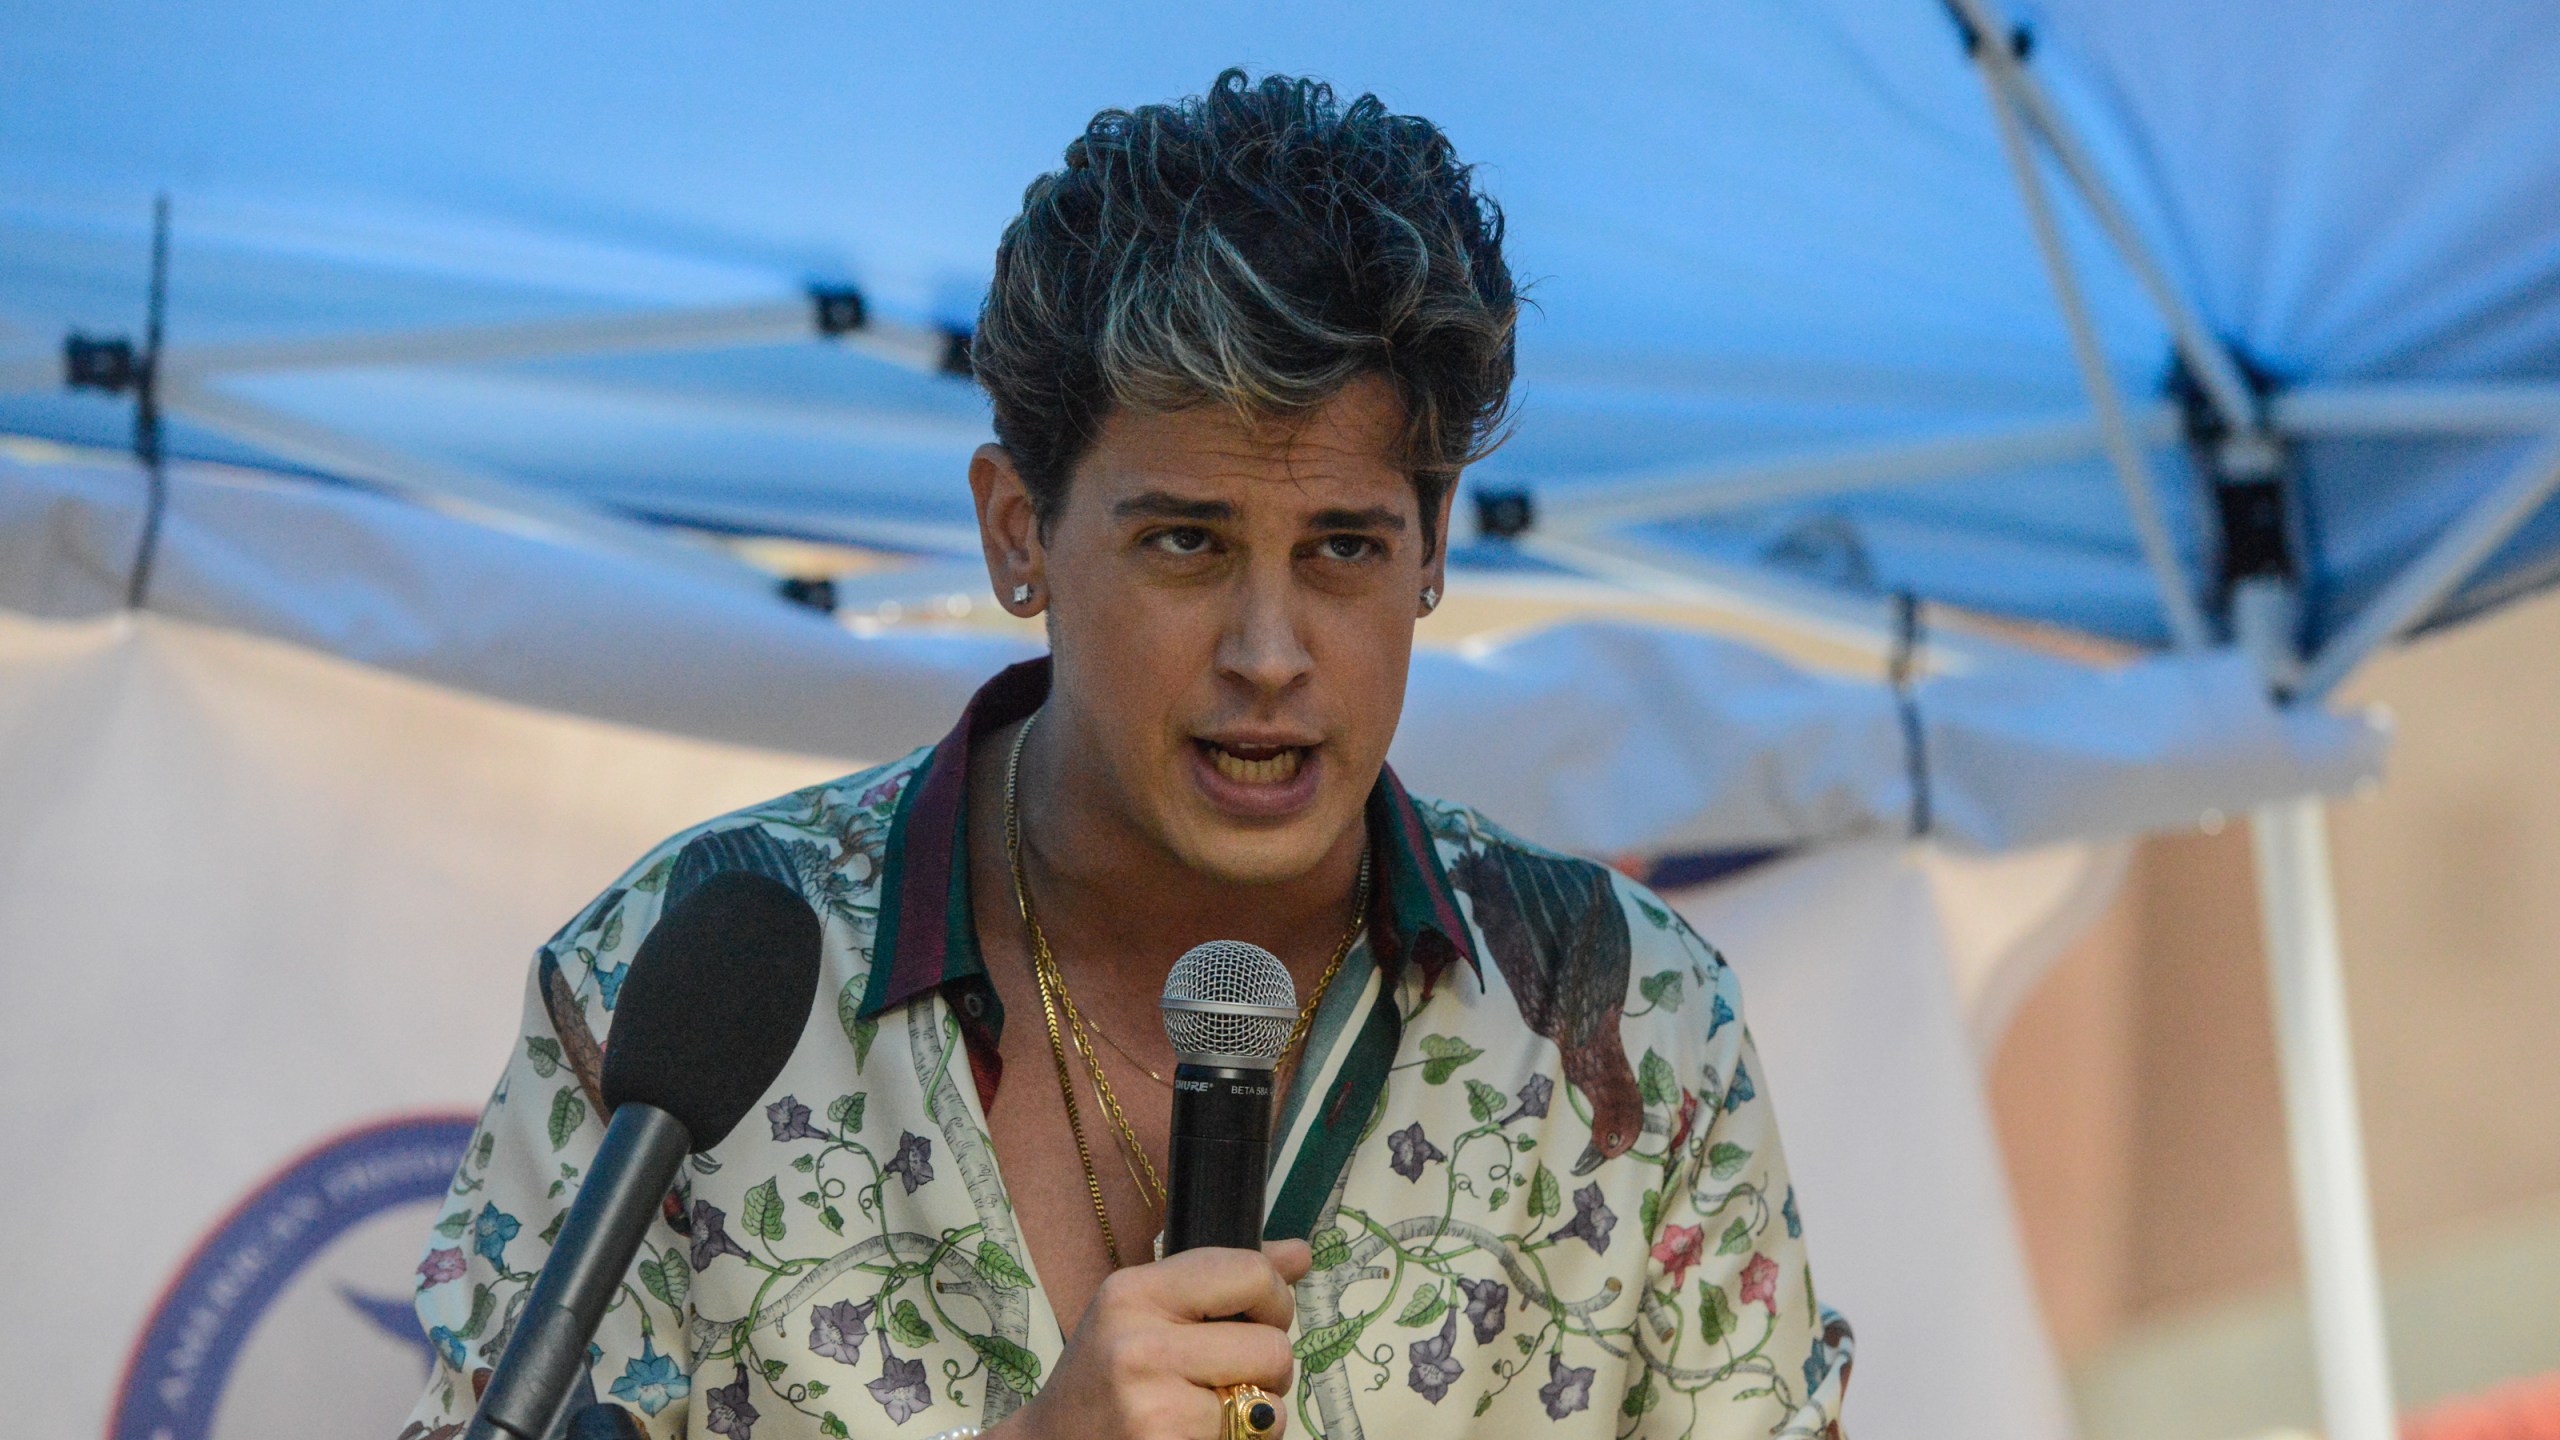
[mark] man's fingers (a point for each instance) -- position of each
(1227, 1353)
(1292, 1258)
(1212, 1284)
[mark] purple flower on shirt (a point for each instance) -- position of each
(1592, 1219)
(914, 1162)
(837, 1331)
(900, 1389)
(1435, 1365)
(790, 1120)
(1409, 1150)
(1568, 1388)
(1488, 1307)
(441, 1266)
(1535, 1094)
(711, 1236)
(727, 1410)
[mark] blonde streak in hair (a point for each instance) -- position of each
(1416, 275)
(1306, 325)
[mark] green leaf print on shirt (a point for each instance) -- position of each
(1445, 1053)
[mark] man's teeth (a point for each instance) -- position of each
(1279, 768)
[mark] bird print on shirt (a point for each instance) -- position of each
(1559, 935)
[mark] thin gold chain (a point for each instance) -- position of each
(1141, 1066)
(1055, 999)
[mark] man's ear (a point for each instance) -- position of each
(1435, 571)
(1009, 531)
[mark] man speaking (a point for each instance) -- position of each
(1523, 1166)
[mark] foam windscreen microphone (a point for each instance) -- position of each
(707, 1018)
(714, 1004)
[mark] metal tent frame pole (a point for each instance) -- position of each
(2297, 897)
(2188, 629)
(2298, 908)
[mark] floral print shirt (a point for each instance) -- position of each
(1530, 1143)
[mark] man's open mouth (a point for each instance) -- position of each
(1256, 764)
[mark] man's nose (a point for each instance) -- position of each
(1262, 646)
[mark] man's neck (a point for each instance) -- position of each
(1102, 887)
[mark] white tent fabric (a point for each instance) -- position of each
(256, 900)
(1599, 738)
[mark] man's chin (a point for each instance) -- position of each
(1254, 857)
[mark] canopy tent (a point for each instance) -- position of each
(1797, 337)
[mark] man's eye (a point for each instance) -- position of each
(1181, 540)
(1351, 547)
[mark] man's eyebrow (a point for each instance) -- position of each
(1376, 517)
(1162, 505)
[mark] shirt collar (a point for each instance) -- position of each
(927, 938)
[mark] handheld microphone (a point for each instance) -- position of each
(1228, 1008)
(709, 1014)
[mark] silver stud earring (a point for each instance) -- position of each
(1430, 598)
(1021, 594)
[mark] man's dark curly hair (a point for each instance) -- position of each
(1260, 247)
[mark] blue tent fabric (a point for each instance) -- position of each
(1753, 228)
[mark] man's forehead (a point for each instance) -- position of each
(1208, 457)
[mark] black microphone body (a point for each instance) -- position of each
(616, 1204)
(1228, 1010)
(1221, 1152)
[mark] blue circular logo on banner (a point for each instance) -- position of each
(301, 1297)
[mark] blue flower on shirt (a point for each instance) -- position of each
(490, 1232)
(651, 1381)
(449, 1346)
(609, 980)
(1743, 1091)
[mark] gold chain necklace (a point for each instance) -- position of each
(1054, 999)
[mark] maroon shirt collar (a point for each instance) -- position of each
(927, 938)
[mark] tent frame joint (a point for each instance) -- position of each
(2263, 544)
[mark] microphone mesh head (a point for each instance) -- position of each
(1228, 1000)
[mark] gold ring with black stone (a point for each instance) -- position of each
(1251, 1414)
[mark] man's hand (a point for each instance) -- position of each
(1155, 1343)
